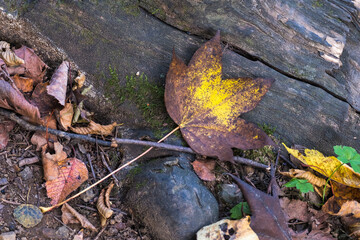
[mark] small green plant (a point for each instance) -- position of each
(240, 210)
(268, 129)
(348, 155)
(301, 184)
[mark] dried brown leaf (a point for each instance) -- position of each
(10, 58)
(23, 84)
(58, 83)
(79, 81)
(95, 128)
(204, 168)
(38, 139)
(66, 115)
(34, 67)
(347, 208)
(14, 100)
(70, 215)
(5, 127)
(107, 194)
(295, 209)
(51, 162)
(43, 100)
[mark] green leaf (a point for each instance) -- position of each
(239, 210)
(345, 153)
(292, 182)
(301, 184)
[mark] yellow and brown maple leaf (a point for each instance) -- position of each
(207, 108)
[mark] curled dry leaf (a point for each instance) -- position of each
(95, 128)
(103, 205)
(79, 81)
(8, 56)
(328, 166)
(14, 100)
(70, 215)
(34, 67)
(347, 208)
(41, 99)
(66, 115)
(107, 194)
(72, 174)
(295, 209)
(228, 229)
(58, 83)
(23, 84)
(204, 168)
(316, 181)
(207, 108)
(51, 162)
(39, 140)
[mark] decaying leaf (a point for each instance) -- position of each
(58, 83)
(28, 215)
(71, 175)
(228, 229)
(8, 56)
(295, 209)
(79, 81)
(79, 235)
(5, 127)
(95, 128)
(344, 193)
(70, 215)
(39, 140)
(14, 100)
(207, 108)
(328, 166)
(267, 218)
(34, 67)
(23, 84)
(103, 205)
(51, 162)
(66, 115)
(41, 99)
(316, 181)
(204, 168)
(351, 208)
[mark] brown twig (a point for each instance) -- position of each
(9, 202)
(107, 166)
(91, 166)
(99, 234)
(59, 133)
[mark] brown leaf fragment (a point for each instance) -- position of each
(34, 67)
(5, 127)
(95, 128)
(207, 108)
(204, 168)
(79, 235)
(58, 83)
(13, 100)
(347, 208)
(51, 162)
(66, 115)
(107, 195)
(8, 56)
(105, 212)
(72, 174)
(70, 215)
(295, 209)
(23, 84)
(267, 220)
(28, 161)
(39, 140)
(79, 81)
(43, 100)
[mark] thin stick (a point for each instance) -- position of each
(59, 133)
(108, 168)
(46, 209)
(9, 202)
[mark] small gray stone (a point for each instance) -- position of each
(88, 195)
(231, 194)
(3, 181)
(63, 232)
(48, 233)
(169, 198)
(8, 236)
(26, 174)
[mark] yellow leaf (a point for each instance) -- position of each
(328, 166)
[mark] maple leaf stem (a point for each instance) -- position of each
(46, 209)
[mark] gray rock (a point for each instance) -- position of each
(3, 181)
(26, 174)
(8, 236)
(168, 197)
(63, 232)
(231, 194)
(88, 195)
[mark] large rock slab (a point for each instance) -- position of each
(304, 110)
(303, 39)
